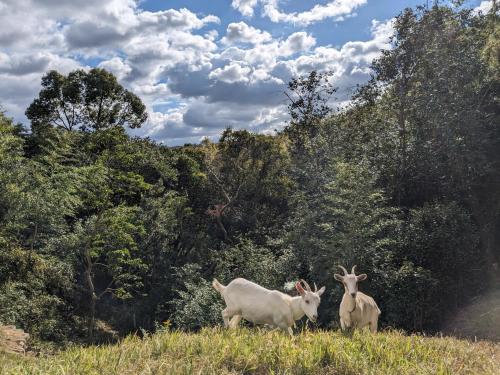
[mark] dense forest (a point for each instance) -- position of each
(104, 232)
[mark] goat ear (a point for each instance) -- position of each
(361, 277)
(321, 291)
(299, 288)
(337, 277)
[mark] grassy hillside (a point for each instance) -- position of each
(216, 351)
(481, 318)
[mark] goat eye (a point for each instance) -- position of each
(307, 301)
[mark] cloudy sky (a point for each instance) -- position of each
(199, 65)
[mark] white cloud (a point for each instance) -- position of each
(266, 54)
(244, 87)
(212, 35)
(484, 7)
(297, 42)
(121, 24)
(182, 19)
(116, 66)
(21, 64)
(231, 73)
(241, 32)
(337, 9)
(244, 6)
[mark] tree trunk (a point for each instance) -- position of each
(93, 301)
(222, 228)
(91, 292)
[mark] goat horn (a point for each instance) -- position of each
(306, 284)
(315, 288)
(345, 271)
(353, 269)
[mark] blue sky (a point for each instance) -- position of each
(199, 66)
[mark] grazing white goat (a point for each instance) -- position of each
(357, 310)
(247, 300)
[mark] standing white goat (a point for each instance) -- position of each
(357, 310)
(247, 300)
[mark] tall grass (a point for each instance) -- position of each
(253, 351)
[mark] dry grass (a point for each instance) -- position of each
(252, 351)
(12, 340)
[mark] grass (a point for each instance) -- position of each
(252, 351)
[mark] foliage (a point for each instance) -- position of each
(35, 293)
(347, 223)
(198, 304)
(247, 176)
(441, 239)
(91, 100)
(308, 104)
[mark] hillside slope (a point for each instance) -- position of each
(244, 351)
(480, 319)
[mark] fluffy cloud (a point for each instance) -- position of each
(23, 64)
(336, 9)
(484, 7)
(349, 64)
(244, 6)
(241, 90)
(121, 24)
(241, 32)
(266, 54)
(297, 42)
(231, 73)
(116, 66)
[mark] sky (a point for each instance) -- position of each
(198, 65)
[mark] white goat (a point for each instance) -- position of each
(357, 310)
(247, 300)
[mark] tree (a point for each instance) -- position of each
(105, 248)
(35, 200)
(92, 100)
(442, 239)
(349, 222)
(248, 177)
(308, 104)
(440, 93)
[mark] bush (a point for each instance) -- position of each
(199, 304)
(36, 298)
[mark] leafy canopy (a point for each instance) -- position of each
(92, 100)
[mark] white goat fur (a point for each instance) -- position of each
(247, 300)
(357, 310)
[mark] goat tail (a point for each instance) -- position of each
(218, 286)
